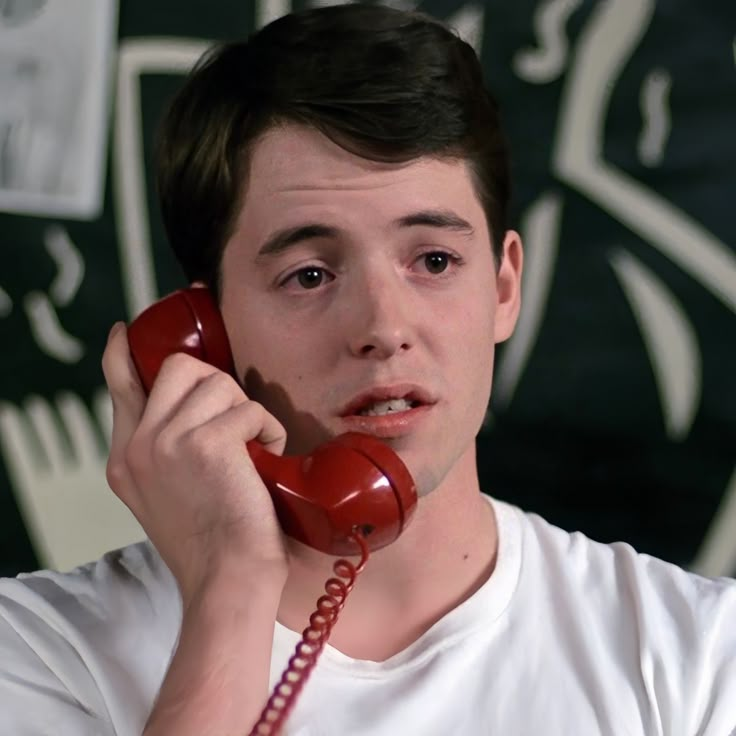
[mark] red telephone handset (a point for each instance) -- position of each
(354, 480)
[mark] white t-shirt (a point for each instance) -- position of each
(567, 637)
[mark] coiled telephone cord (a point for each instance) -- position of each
(313, 640)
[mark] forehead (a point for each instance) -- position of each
(296, 171)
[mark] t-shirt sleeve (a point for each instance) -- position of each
(716, 686)
(85, 652)
(45, 687)
(690, 668)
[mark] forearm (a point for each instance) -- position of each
(217, 682)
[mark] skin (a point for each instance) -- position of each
(364, 300)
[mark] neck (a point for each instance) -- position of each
(447, 552)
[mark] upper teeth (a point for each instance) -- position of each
(385, 407)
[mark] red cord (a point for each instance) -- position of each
(313, 640)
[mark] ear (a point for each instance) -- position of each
(508, 286)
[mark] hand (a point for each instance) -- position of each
(178, 461)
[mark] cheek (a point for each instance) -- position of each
(274, 365)
(473, 349)
(254, 349)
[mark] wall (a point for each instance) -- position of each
(614, 407)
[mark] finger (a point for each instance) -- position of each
(273, 434)
(128, 402)
(246, 421)
(102, 406)
(180, 374)
(215, 394)
(126, 390)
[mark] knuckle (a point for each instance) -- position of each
(136, 456)
(120, 376)
(200, 444)
(176, 362)
(105, 363)
(115, 472)
(222, 383)
(164, 447)
(257, 413)
(121, 480)
(111, 371)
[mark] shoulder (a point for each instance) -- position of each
(89, 641)
(673, 632)
(125, 587)
(618, 567)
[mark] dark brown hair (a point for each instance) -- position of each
(382, 83)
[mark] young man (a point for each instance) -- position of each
(340, 183)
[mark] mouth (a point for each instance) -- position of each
(384, 401)
(391, 406)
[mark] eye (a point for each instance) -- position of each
(440, 263)
(436, 262)
(309, 277)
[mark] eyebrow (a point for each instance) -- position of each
(284, 239)
(290, 236)
(444, 219)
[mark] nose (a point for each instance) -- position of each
(382, 324)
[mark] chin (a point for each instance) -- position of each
(430, 479)
(428, 475)
(435, 473)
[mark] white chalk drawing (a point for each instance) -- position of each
(655, 112)
(401, 4)
(18, 12)
(48, 332)
(137, 57)
(40, 307)
(269, 10)
(35, 438)
(549, 60)
(69, 265)
(717, 553)
(540, 228)
(603, 48)
(55, 63)
(56, 454)
(606, 43)
(669, 338)
(466, 20)
(328, 3)
(468, 23)
(6, 303)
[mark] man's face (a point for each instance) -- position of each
(362, 296)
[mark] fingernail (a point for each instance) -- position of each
(115, 329)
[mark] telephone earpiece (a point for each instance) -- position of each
(354, 480)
